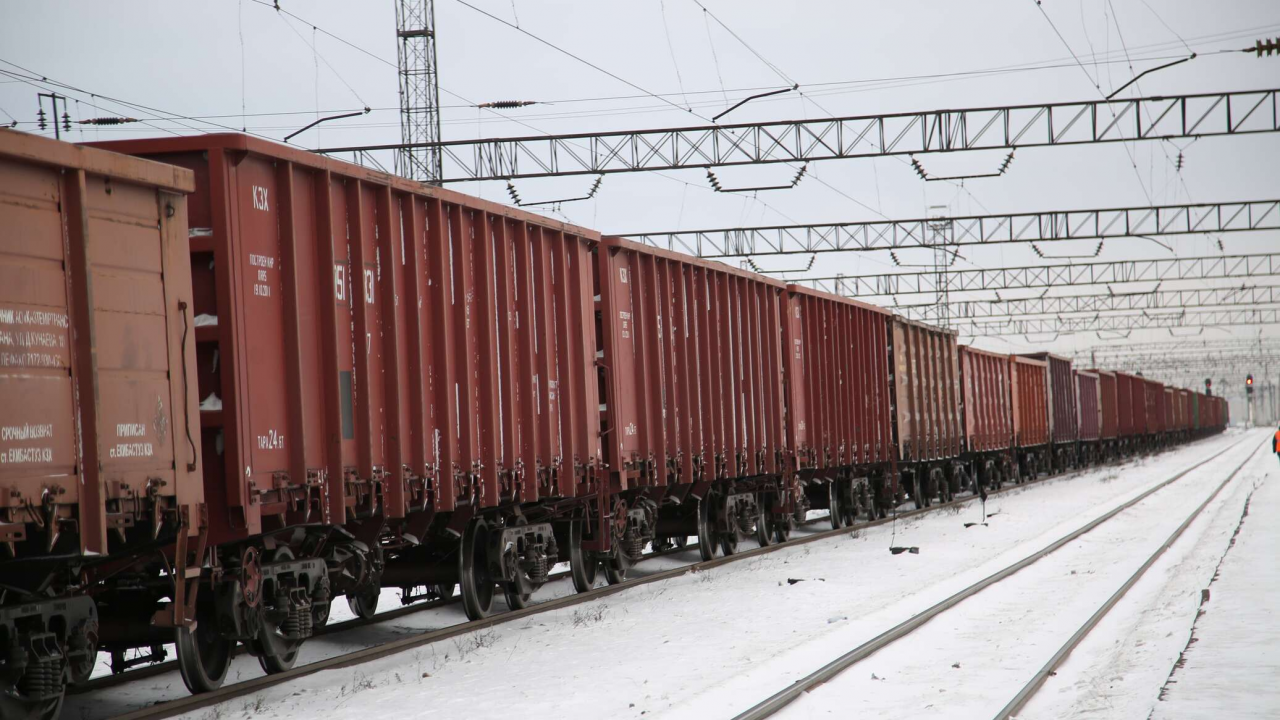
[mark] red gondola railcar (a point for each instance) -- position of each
(692, 367)
(987, 414)
(1089, 398)
(1029, 392)
(839, 401)
(402, 361)
(98, 410)
(926, 401)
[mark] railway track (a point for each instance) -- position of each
(185, 704)
(785, 697)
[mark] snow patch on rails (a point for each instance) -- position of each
(691, 633)
(1118, 670)
(1006, 623)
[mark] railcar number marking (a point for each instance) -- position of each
(260, 198)
(273, 440)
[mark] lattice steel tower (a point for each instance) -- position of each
(419, 89)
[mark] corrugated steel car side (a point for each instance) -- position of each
(1155, 406)
(1064, 413)
(1133, 405)
(693, 368)
(1109, 407)
(926, 382)
(97, 356)
(838, 387)
(1029, 392)
(379, 346)
(1089, 395)
(988, 412)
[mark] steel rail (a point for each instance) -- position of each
(141, 673)
(779, 700)
(1043, 673)
(366, 655)
(189, 703)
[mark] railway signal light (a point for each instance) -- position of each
(1248, 384)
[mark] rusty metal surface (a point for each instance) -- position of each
(692, 366)
(1132, 404)
(1154, 397)
(97, 374)
(1064, 413)
(382, 349)
(988, 409)
(1029, 392)
(1089, 399)
(1108, 403)
(839, 381)
(926, 378)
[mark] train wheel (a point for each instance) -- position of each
(916, 495)
(203, 653)
(275, 652)
(850, 504)
(515, 600)
(729, 543)
(615, 570)
(473, 570)
(364, 603)
(680, 542)
(836, 503)
(442, 591)
(582, 567)
(706, 529)
(22, 707)
(782, 530)
(764, 528)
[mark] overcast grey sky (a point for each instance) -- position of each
(239, 59)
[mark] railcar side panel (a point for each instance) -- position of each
(1108, 403)
(98, 407)
(1029, 388)
(926, 378)
(841, 379)
(1089, 395)
(1064, 413)
(987, 412)
(372, 347)
(694, 367)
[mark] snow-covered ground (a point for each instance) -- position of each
(971, 660)
(713, 643)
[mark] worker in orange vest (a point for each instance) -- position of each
(1275, 443)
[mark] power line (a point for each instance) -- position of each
(580, 59)
(745, 44)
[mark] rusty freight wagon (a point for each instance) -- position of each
(98, 412)
(1064, 413)
(1131, 391)
(1154, 398)
(691, 365)
(838, 402)
(925, 388)
(1029, 395)
(1108, 410)
(406, 363)
(1089, 401)
(987, 414)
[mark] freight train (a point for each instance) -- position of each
(239, 381)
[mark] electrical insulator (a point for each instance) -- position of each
(1267, 46)
(66, 122)
(108, 121)
(507, 104)
(40, 120)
